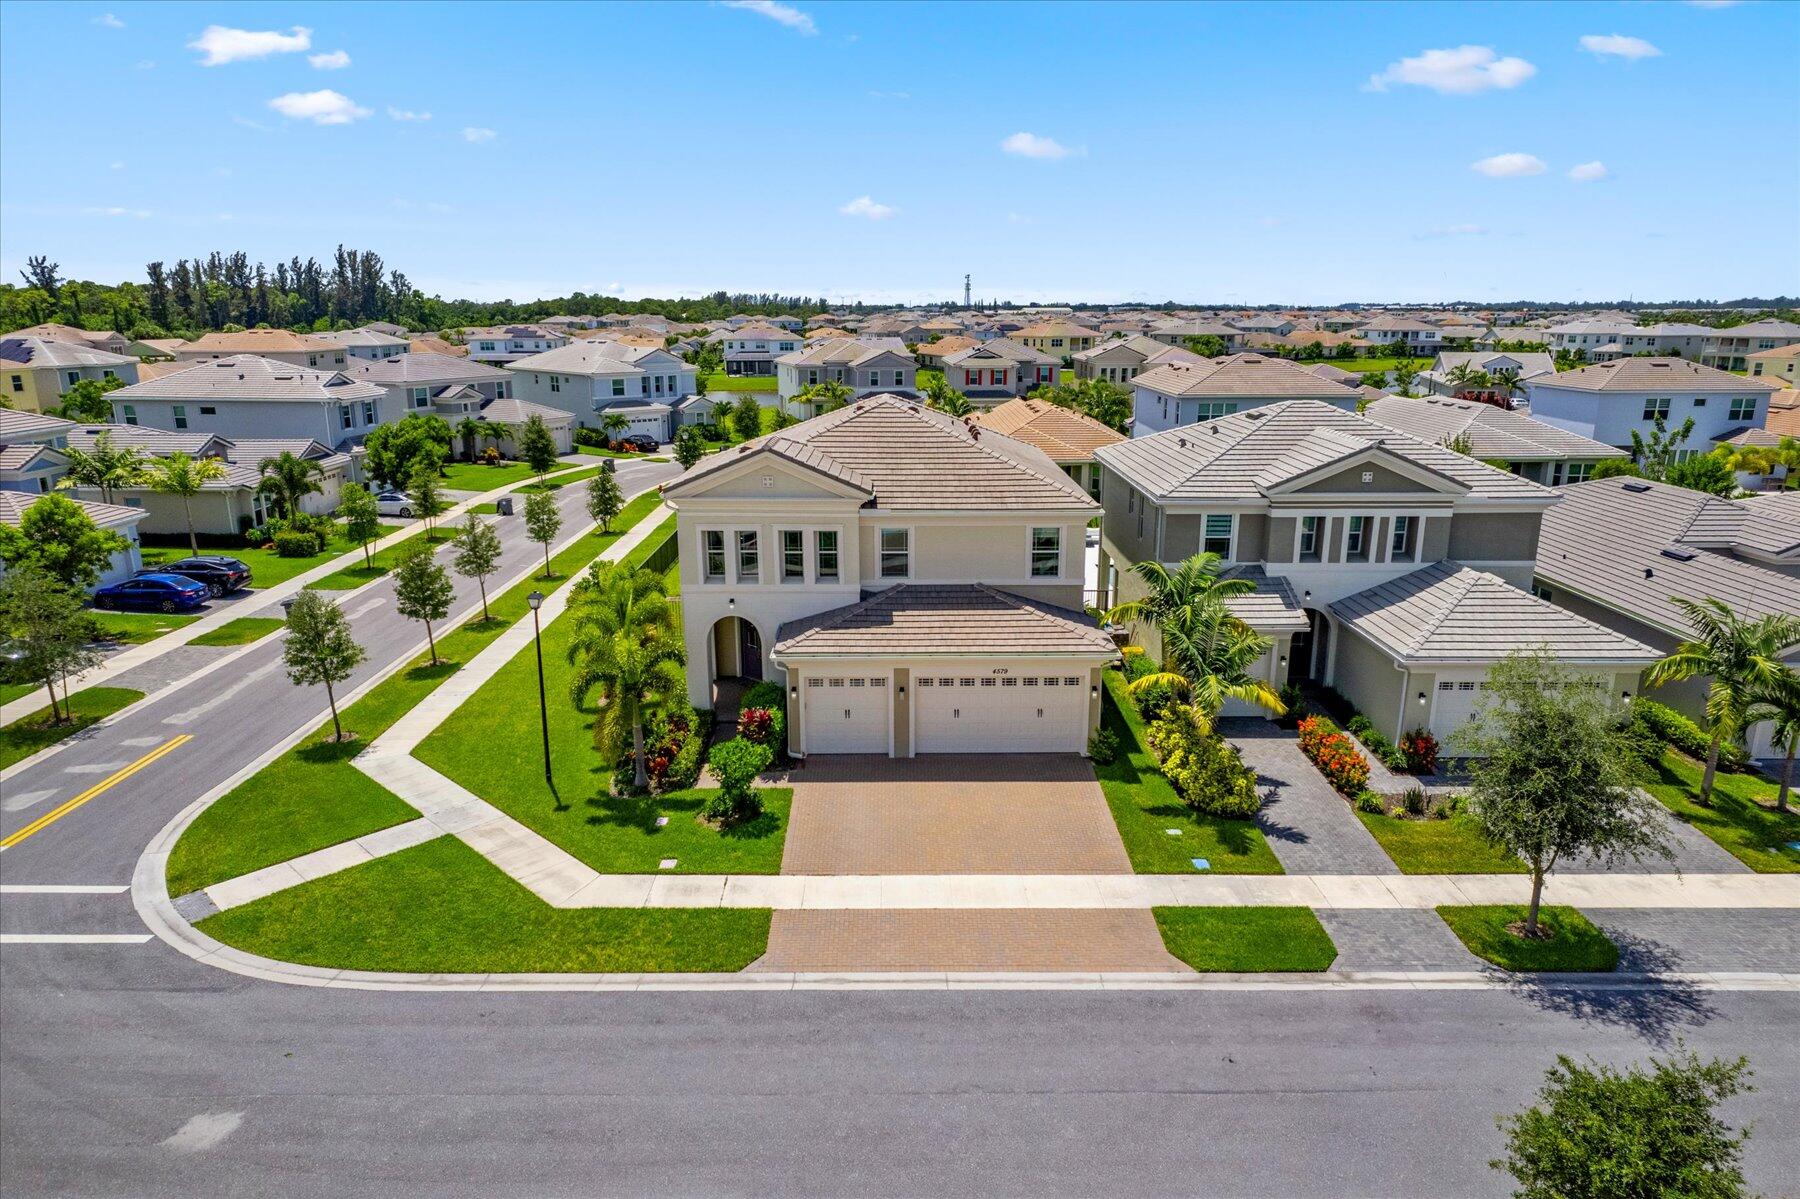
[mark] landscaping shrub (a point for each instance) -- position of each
(1103, 746)
(291, 543)
(586, 436)
(1415, 801)
(1154, 701)
(1294, 700)
(490, 456)
(1667, 725)
(1205, 771)
(754, 724)
(1368, 801)
(1420, 749)
(736, 763)
(1334, 754)
(770, 698)
(1135, 663)
(1360, 727)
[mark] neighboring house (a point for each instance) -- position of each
(931, 354)
(998, 370)
(752, 349)
(277, 345)
(1529, 448)
(1783, 418)
(1176, 333)
(35, 373)
(425, 343)
(367, 343)
(1066, 437)
(510, 343)
(1274, 326)
(913, 584)
(435, 383)
(159, 347)
(1523, 365)
(1610, 401)
(1781, 364)
(1124, 359)
(1782, 505)
(31, 445)
(1059, 339)
(1416, 337)
(1621, 551)
(1168, 397)
(226, 507)
(1604, 339)
(592, 379)
(253, 397)
(1386, 566)
(867, 366)
(1730, 349)
(514, 413)
(104, 340)
(120, 520)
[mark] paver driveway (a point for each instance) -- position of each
(951, 814)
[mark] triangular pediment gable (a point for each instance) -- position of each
(766, 473)
(1342, 474)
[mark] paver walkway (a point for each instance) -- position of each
(951, 814)
(991, 939)
(1309, 826)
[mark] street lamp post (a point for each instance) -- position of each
(536, 600)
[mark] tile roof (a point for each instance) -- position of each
(1239, 375)
(1063, 434)
(31, 426)
(1532, 363)
(155, 442)
(18, 457)
(1784, 413)
(69, 334)
(425, 367)
(1450, 613)
(600, 356)
(1651, 374)
(428, 344)
(14, 503)
(37, 352)
(362, 337)
(1226, 458)
(1492, 432)
(939, 620)
(1782, 505)
(248, 377)
(1271, 608)
(845, 351)
(517, 412)
(909, 457)
(257, 341)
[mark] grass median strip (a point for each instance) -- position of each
(1742, 818)
(1246, 940)
(136, 628)
(241, 631)
(1450, 846)
(441, 907)
(267, 568)
(1573, 944)
(29, 734)
(311, 796)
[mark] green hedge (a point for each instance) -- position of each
(1673, 729)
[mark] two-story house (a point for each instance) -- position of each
(913, 582)
(998, 370)
(277, 345)
(1068, 438)
(1403, 334)
(1125, 358)
(1730, 349)
(1439, 381)
(752, 349)
(31, 451)
(510, 343)
(35, 373)
(1388, 567)
(106, 340)
(1610, 401)
(1177, 333)
(367, 343)
(253, 397)
(435, 383)
(1059, 339)
(1182, 393)
(867, 366)
(1529, 448)
(593, 379)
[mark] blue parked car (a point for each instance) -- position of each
(154, 593)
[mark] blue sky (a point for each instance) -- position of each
(1226, 153)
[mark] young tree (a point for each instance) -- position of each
(604, 499)
(422, 588)
(827, 395)
(103, 468)
(614, 424)
(86, 401)
(181, 475)
(746, 418)
(469, 429)
(1207, 346)
(288, 479)
(477, 555)
(320, 649)
(58, 538)
(1659, 452)
(361, 516)
(1704, 472)
(426, 491)
(46, 632)
(690, 447)
(1779, 701)
(542, 521)
(624, 645)
(536, 447)
(1555, 772)
(1601, 1133)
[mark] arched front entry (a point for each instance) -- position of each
(735, 647)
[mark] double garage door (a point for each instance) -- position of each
(977, 712)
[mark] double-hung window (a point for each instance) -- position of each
(1309, 538)
(1742, 408)
(1356, 539)
(1656, 408)
(713, 541)
(618, 387)
(1217, 539)
(421, 396)
(1046, 553)
(368, 412)
(793, 556)
(130, 414)
(749, 563)
(346, 416)
(825, 556)
(896, 553)
(1400, 542)
(181, 416)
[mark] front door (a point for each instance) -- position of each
(749, 650)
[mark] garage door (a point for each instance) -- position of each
(846, 715)
(982, 712)
(1455, 701)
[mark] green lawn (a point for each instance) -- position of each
(241, 631)
(12, 691)
(478, 476)
(28, 734)
(441, 907)
(1145, 806)
(135, 628)
(266, 567)
(1575, 944)
(311, 796)
(1246, 940)
(379, 563)
(1357, 366)
(1452, 846)
(1742, 817)
(719, 381)
(562, 481)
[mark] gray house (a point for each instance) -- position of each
(1539, 452)
(245, 396)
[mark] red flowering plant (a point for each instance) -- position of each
(756, 724)
(1421, 750)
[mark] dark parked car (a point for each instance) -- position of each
(643, 443)
(153, 593)
(222, 575)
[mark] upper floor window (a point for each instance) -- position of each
(181, 416)
(618, 387)
(1214, 409)
(74, 378)
(130, 414)
(825, 556)
(749, 562)
(1742, 408)
(420, 396)
(1309, 538)
(713, 541)
(368, 412)
(1046, 553)
(18, 382)
(1217, 539)
(1400, 542)
(1656, 408)
(1356, 539)
(896, 553)
(793, 556)
(1577, 472)
(346, 416)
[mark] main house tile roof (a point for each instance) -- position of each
(1651, 374)
(249, 377)
(424, 367)
(14, 503)
(1492, 432)
(943, 620)
(1062, 433)
(844, 351)
(1238, 375)
(598, 356)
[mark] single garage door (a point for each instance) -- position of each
(982, 712)
(846, 715)
(1453, 705)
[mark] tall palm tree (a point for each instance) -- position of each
(624, 645)
(288, 479)
(1740, 657)
(1506, 381)
(181, 475)
(1462, 375)
(827, 395)
(1779, 701)
(495, 431)
(103, 467)
(469, 429)
(614, 424)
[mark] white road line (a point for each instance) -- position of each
(60, 889)
(24, 799)
(73, 938)
(379, 601)
(225, 696)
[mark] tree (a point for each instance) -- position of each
(477, 554)
(1661, 450)
(1601, 1133)
(103, 468)
(42, 274)
(542, 521)
(183, 476)
(469, 429)
(57, 537)
(1554, 772)
(1738, 655)
(1612, 468)
(1778, 701)
(1704, 472)
(945, 398)
(536, 447)
(426, 491)
(1405, 372)
(361, 516)
(46, 632)
(1208, 345)
(1506, 381)
(746, 418)
(320, 649)
(1375, 379)
(827, 395)
(422, 587)
(287, 479)
(690, 447)
(604, 499)
(1099, 399)
(614, 424)
(394, 450)
(624, 645)
(86, 401)
(494, 432)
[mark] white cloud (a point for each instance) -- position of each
(1588, 172)
(146, 64)
(222, 44)
(337, 60)
(139, 213)
(1458, 72)
(323, 107)
(474, 133)
(1030, 145)
(784, 14)
(864, 206)
(1618, 45)
(407, 114)
(1509, 166)
(108, 21)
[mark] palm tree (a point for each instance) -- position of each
(614, 424)
(1506, 381)
(1462, 375)
(103, 467)
(827, 395)
(181, 475)
(469, 429)
(624, 645)
(288, 479)
(1779, 701)
(1740, 657)
(495, 432)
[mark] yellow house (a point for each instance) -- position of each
(1059, 339)
(34, 373)
(1781, 364)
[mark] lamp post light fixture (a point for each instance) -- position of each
(536, 600)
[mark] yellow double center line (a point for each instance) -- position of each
(105, 784)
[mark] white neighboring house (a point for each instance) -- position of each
(369, 344)
(451, 387)
(1529, 448)
(31, 445)
(253, 397)
(593, 379)
(1183, 393)
(1407, 333)
(867, 366)
(121, 520)
(1610, 401)
(509, 343)
(1729, 349)
(1125, 358)
(277, 345)
(514, 413)
(751, 350)
(1176, 333)
(1523, 365)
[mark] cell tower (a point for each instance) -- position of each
(966, 303)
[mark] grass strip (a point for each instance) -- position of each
(1574, 944)
(136, 628)
(441, 907)
(267, 568)
(1246, 940)
(1450, 846)
(29, 734)
(1742, 818)
(241, 631)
